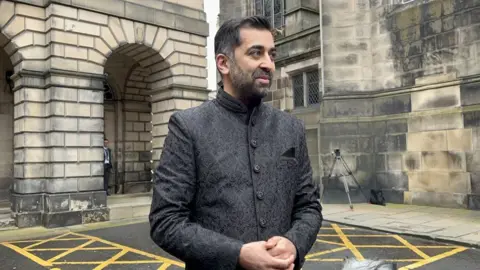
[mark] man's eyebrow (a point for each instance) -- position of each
(260, 47)
(256, 47)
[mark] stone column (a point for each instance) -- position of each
(58, 156)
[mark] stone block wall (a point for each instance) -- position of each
(399, 105)
(59, 53)
(235, 9)
(137, 146)
(416, 146)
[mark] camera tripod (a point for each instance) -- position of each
(339, 158)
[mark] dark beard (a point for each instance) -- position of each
(244, 84)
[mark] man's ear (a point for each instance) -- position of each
(223, 64)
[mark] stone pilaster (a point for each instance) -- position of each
(58, 150)
(164, 104)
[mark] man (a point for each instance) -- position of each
(233, 189)
(107, 164)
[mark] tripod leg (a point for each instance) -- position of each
(348, 192)
(354, 179)
(329, 175)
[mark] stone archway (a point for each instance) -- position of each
(151, 71)
(127, 114)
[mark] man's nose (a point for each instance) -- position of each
(268, 64)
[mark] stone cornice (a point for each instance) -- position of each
(167, 15)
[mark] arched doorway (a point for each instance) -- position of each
(127, 117)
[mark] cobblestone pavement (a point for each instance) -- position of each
(130, 247)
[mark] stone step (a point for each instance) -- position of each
(129, 206)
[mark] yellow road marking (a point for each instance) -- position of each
(450, 247)
(433, 259)
(165, 262)
(325, 260)
(325, 252)
(159, 258)
(343, 228)
(44, 241)
(36, 241)
(112, 259)
(100, 262)
(386, 260)
(329, 242)
(379, 246)
(357, 235)
(412, 247)
(164, 266)
(62, 249)
(347, 242)
(27, 254)
(70, 251)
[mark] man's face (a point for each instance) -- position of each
(251, 72)
(105, 142)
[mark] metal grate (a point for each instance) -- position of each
(313, 87)
(298, 93)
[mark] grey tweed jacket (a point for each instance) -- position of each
(228, 176)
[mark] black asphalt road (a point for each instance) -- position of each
(335, 243)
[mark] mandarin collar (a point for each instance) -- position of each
(233, 104)
(247, 114)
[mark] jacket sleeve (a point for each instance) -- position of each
(173, 196)
(307, 213)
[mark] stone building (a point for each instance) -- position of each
(72, 72)
(395, 85)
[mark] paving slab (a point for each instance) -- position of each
(453, 225)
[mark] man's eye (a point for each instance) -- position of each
(256, 53)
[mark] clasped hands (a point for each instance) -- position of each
(278, 253)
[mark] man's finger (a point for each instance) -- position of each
(276, 251)
(281, 263)
(272, 242)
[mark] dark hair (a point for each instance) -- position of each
(228, 35)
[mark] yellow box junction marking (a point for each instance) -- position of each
(86, 241)
(346, 244)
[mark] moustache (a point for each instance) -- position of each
(262, 73)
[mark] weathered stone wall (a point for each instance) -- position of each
(234, 9)
(405, 118)
(59, 52)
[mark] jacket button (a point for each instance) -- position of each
(254, 143)
(263, 222)
(256, 168)
(260, 195)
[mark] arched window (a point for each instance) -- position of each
(272, 9)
